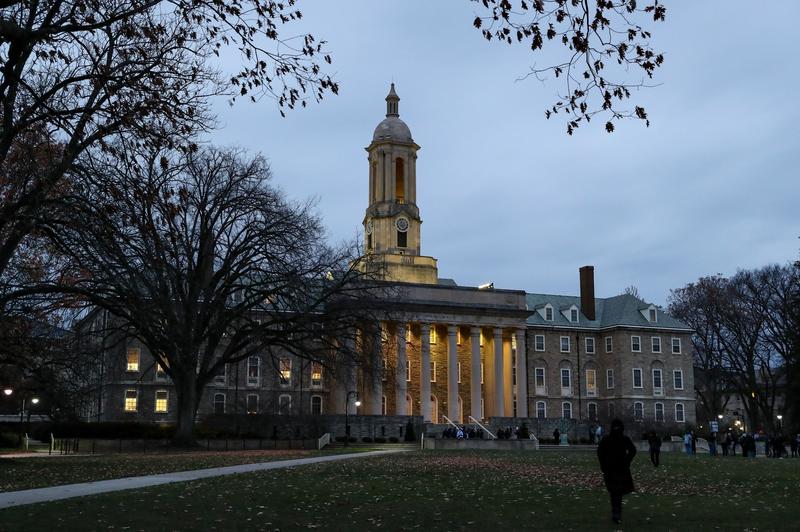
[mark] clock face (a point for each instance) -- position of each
(369, 227)
(401, 224)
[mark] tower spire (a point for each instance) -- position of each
(392, 103)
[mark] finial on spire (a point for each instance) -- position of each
(392, 103)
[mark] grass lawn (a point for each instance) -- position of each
(448, 490)
(42, 471)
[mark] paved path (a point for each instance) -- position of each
(55, 493)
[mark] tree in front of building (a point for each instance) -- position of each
(198, 256)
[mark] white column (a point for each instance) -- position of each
(475, 372)
(425, 372)
(401, 385)
(452, 373)
(522, 374)
(376, 392)
(499, 389)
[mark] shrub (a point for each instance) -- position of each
(8, 440)
(393, 439)
(366, 439)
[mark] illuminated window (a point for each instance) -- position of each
(161, 375)
(131, 400)
(433, 371)
(408, 334)
(408, 370)
(655, 344)
(636, 344)
(432, 335)
(481, 372)
(132, 359)
(219, 403)
(253, 371)
(591, 382)
(316, 374)
(458, 335)
(459, 372)
(285, 371)
(252, 403)
(316, 405)
(162, 401)
(539, 342)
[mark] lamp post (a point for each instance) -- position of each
(347, 415)
(780, 418)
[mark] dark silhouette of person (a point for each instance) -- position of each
(655, 448)
(616, 452)
(557, 436)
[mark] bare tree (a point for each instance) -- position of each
(199, 257)
(75, 72)
(605, 45)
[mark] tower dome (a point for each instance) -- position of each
(392, 128)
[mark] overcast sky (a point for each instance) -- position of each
(506, 196)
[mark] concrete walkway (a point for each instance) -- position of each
(68, 491)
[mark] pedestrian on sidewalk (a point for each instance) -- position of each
(616, 452)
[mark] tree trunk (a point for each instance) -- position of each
(187, 410)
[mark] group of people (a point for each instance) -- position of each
(774, 446)
(462, 433)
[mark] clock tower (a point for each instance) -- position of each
(392, 222)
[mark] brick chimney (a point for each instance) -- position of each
(587, 291)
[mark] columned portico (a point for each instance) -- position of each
(522, 374)
(376, 391)
(452, 373)
(401, 385)
(499, 389)
(425, 372)
(475, 376)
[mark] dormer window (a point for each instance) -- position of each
(548, 313)
(650, 313)
(573, 315)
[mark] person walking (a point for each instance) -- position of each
(726, 443)
(687, 443)
(795, 443)
(694, 443)
(615, 453)
(655, 448)
(557, 436)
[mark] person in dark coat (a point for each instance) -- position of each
(557, 436)
(655, 448)
(616, 452)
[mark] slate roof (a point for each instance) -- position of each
(621, 310)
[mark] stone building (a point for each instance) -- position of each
(451, 352)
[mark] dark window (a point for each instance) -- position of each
(402, 239)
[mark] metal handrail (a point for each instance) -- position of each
(484, 428)
(324, 440)
(450, 421)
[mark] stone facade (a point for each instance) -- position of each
(454, 352)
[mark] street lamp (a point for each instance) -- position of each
(780, 418)
(347, 414)
(719, 416)
(8, 391)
